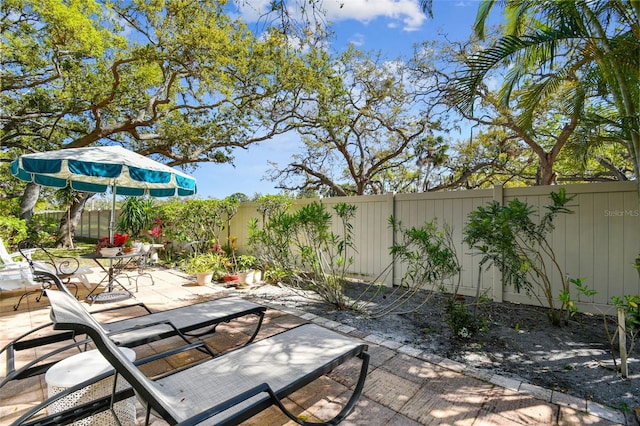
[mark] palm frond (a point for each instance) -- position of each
(536, 48)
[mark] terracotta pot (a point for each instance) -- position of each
(230, 277)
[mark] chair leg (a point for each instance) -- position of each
(147, 274)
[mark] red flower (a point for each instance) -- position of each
(118, 240)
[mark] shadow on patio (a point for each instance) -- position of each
(404, 386)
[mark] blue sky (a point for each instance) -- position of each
(389, 26)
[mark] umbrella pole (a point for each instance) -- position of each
(112, 220)
(112, 225)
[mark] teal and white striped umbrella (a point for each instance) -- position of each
(100, 168)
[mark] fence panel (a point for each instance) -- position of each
(598, 242)
(448, 209)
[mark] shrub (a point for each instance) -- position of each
(137, 214)
(508, 238)
(207, 262)
(430, 258)
(12, 230)
(303, 250)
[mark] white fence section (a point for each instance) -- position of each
(599, 242)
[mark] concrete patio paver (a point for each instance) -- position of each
(405, 386)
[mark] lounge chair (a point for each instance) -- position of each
(65, 267)
(224, 390)
(187, 322)
(15, 274)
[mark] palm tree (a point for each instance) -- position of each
(598, 42)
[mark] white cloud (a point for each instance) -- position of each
(405, 13)
(252, 11)
(357, 39)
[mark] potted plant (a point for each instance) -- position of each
(245, 265)
(128, 246)
(231, 264)
(108, 249)
(136, 215)
(204, 267)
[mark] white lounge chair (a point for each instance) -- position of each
(16, 274)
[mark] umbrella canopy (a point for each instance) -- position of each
(96, 169)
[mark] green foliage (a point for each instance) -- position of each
(136, 215)
(43, 230)
(301, 250)
(428, 253)
(507, 237)
(568, 305)
(10, 207)
(206, 262)
(431, 260)
(182, 82)
(201, 222)
(593, 45)
(462, 322)
(12, 230)
(629, 305)
(95, 74)
(246, 262)
(272, 205)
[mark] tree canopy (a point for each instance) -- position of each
(595, 44)
(183, 82)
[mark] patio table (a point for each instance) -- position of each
(113, 267)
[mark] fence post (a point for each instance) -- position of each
(622, 340)
(498, 284)
(393, 239)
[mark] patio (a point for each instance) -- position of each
(404, 386)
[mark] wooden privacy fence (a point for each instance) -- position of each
(599, 242)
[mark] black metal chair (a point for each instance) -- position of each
(188, 322)
(227, 389)
(65, 267)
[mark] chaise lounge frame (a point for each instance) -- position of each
(188, 323)
(227, 389)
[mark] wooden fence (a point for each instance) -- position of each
(599, 242)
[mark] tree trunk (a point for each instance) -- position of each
(67, 228)
(29, 200)
(547, 175)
